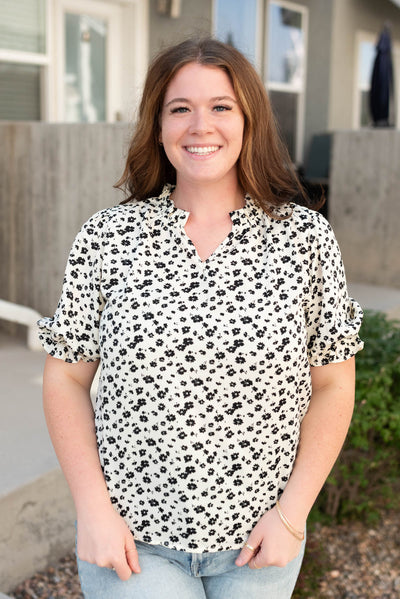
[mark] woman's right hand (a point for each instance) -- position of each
(104, 539)
(103, 536)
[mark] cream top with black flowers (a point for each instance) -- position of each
(205, 366)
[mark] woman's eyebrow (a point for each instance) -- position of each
(221, 98)
(187, 101)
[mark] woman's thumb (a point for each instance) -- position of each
(132, 555)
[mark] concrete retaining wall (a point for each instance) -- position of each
(36, 528)
(364, 204)
(52, 178)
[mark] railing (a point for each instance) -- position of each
(25, 316)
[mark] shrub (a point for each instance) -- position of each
(368, 469)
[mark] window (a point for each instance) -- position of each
(364, 65)
(285, 70)
(72, 60)
(22, 25)
(365, 57)
(283, 41)
(20, 91)
(235, 23)
(101, 58)
(85, 68)
(23, 59)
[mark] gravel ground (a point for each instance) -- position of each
(348, 561)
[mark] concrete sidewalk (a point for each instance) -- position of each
(36, 511)
(370, 297)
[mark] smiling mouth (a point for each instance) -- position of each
(202, 151)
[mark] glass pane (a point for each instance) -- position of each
(23, 25)
(366, 63)
(284, 105)
(85, 69)
(285, 46)
(19, 92)
(236, 25)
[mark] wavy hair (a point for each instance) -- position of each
(264, 167)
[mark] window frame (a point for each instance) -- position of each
(261, 32)
(287, 87)
(372, 37)
(125, 94)
(127, 52)
(396, 83)
(361, 37)
(40, 59)
(111, 13)
(259, 39)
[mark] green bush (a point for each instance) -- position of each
(365, 476)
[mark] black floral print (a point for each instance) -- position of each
(205, 365)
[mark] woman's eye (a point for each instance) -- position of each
(179, 109)
(221, 108)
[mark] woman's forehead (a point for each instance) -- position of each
(195, 79)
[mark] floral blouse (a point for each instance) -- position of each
(205, 365)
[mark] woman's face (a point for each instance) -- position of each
(202, 125)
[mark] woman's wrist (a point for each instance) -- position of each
(295, 512)
(94, 502)
(298, 534)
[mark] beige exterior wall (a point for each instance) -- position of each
(195, 19)
(350, 16)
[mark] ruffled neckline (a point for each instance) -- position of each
(249, 214)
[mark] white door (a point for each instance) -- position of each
(89, 81)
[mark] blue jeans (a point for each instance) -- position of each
(170, 574)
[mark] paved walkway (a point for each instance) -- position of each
(25, 449)
(377, 298)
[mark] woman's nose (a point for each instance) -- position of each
(201, 122)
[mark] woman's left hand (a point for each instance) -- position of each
(273, 544)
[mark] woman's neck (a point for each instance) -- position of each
(208, 203)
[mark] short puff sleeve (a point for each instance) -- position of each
(333, 319)
(73, 332)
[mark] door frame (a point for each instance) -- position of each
(126, 53)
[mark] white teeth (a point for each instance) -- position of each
(202, 150)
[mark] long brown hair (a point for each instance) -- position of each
(264, 168)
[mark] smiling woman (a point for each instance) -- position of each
(264, 167)
(218, 310)
(202, 132)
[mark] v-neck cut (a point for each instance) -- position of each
(210, 248)
(241, 223)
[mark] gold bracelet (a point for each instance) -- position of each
(296, 533)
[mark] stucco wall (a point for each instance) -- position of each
(350, 16)
(195, 19)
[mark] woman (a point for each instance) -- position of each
(218, 310)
